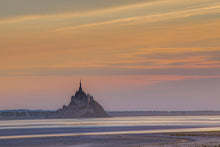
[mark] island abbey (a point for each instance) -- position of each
(81, 105)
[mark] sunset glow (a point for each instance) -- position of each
(130, 54)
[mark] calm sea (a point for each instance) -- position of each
(113, 125)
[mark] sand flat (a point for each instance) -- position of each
(90, 141)
(186, 139)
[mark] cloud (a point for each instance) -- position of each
(208, 42)
(172, 58)
(168, 61)
(215, 8)
(121, 13)
(114, 49)
(181, 53)
(75, 10)
(89, 71)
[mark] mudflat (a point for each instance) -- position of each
(122, 140)
(89, 141)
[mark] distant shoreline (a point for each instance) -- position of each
(162, 113)
(43, 114)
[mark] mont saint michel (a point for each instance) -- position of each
(81, 105)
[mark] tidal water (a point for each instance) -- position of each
(113, 125)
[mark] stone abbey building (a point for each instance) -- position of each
(81, 105)
(81, 98)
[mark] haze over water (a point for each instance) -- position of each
(100, 126)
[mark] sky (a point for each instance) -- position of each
(131, 55)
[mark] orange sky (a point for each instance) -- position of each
(114, 47)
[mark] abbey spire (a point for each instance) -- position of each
(80, 91)
(80, 86)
